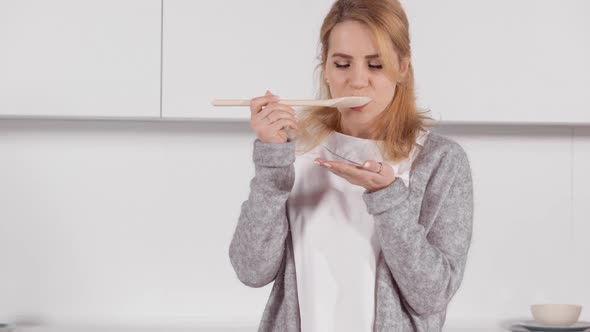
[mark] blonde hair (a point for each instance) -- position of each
(399, 125)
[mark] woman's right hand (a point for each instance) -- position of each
(270, 119)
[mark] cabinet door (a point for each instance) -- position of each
(237, 49)
(80, 58)
(502, 61)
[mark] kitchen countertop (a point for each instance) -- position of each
(200, 329)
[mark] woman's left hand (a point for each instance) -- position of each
(367, 176)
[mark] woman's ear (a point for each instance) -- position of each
(323, 69)
(404, 67)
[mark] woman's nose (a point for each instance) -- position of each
(359, 78)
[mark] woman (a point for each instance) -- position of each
(369, 227)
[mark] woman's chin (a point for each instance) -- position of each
(363, 116)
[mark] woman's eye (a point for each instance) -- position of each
(346, 65)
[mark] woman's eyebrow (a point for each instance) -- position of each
(346, 56)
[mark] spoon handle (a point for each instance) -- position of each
(291, 102)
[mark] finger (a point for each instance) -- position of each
(270, 114)
(282, 123)
(283, 135)
(263, 113)
(257, 104)
(283, 107)
(373, 166)
(273, 105)
(343, 167)
(325, 162)
(278, 115)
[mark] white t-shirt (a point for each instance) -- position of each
(334, 243)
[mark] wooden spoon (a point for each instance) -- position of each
(337, 102)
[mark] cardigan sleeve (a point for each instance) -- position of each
(258, 244)
(427, 264)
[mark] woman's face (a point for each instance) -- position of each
(353, 68)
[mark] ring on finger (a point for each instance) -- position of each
(380, 167)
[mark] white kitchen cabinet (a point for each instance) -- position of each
(237, 49)
(68, 58)
(505, 62)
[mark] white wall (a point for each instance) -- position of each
(130, 222)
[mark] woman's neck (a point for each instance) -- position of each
(356, 131)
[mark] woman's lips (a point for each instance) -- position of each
(359, 108)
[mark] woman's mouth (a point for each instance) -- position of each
(359, 108)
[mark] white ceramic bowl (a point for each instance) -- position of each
(556, 314)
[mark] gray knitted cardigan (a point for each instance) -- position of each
(424, 231)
